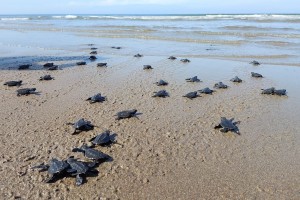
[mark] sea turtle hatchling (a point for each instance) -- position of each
(93, 52)
(94, 48)
(46, 78)
(91, 153)
(79, 168)
(81, 125)
(101, 64)
(52, 68)
(172, 58)
(48, 64)
(22, 67)
(220, 85)
(55, 168)
(81, 63)
(96, 98)
(256, 75)
(104, 139)
(126, 114)
(236, 80)
(185, 60)
(138, 55)
(228, 125)
(13, 83)
(191, 95)
(161, 93)
(161, 83)
(116, 47)
(192, 79)
(254, 62)
(206, 91)
(281, 92)
(25, 91)
(92, 58)
(268, 90)
(147, 67)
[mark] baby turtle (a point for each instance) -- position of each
(90, 153)
(81, 63)
(161, 93)
(48, 65)
(93, 58)
(185, 60)
(191, 95)
(220, 85)
(126, 114)
(236, 79)
(206, 91)
(104, 139)
(193, 79)
(138, 55)
(228, 125)
(280, 92)
(54, 67)
(268, 91)
(81, 125)
(55, 168)
(254, 62)
(94, 48)
(172, 58)
(256, 75)
(46, 78)
(101, 64)
(79, 168)
(22, 67)
(93, 52)
(90, 44)
(13, 83)
(147, 67)
(25, 91)
(161, 82)
(96, 98)
(116, 47)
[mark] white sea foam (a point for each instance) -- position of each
(13, 18)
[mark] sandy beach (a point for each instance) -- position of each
(172, 150)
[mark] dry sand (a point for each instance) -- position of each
(172, 151)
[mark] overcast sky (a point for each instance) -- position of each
(147, 6)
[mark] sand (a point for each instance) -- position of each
(172, 151)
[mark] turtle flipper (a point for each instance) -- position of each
(79, 180)
(218, 126)
(50, 179)
(224, 130)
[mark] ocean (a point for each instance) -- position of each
(271, 38)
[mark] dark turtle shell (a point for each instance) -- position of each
(236, 79)
(102, 139)
(280, 92)
(22, 67)
(46, 78)
(96, 98)
(220, 85)
(161, 82)
(161, 93)
(268, 90)
(13, 83)
(147, 67)
(256, 75)
(254, 62)
(48, 65)
(54, 67)
(93, 52)
(57, 166)
(91, 153)
(193, 79)
(77, 166)
(25, 91)
(172, 58)
(191, 95)
(126, 114)
(185, 60)
(93, 58)
(81, 63)
(206, 91)
(102, 65)
(138, 55)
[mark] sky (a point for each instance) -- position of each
(148, 6)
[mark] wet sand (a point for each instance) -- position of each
(172, 151)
